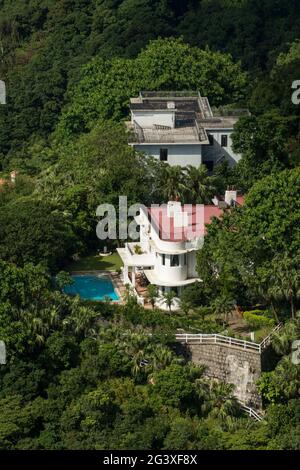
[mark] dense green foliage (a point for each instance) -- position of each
(83, 375)
(76, 382)
(44, 43)
(105, 86)
(256, 249)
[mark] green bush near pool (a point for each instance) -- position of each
(256, 319)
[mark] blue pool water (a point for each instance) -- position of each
(92, 287)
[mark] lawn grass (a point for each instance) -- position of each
(94, 262)
(261, 333)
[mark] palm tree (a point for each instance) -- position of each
(185, 307)
(169, 299)
(201, 187)
(223, 306)
(83, 319)
(152, 294)
(133, 344)
(266, 292)
(281, 340)
(173, 182)
(286, 280)
(219, 401)
(161, 358)
(129, 296)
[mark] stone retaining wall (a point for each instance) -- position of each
(230, 364)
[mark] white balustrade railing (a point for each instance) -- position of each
(251, 412)
(227, 340)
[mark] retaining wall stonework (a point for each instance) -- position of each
(233, 365)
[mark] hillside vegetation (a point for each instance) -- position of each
(84, 375)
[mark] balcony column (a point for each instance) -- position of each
(133, 276)
(125, 273)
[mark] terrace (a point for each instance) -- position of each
(188, 114)
(192, 133)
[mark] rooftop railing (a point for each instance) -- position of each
(169, 94)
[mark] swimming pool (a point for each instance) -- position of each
(92, 287)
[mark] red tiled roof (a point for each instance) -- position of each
(240, 200)
(198, 216)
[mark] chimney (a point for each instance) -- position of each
(175, 211)
(215, 201)
(230, 197)
(173, 207)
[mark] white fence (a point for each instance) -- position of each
(251, 412)
(227, 340)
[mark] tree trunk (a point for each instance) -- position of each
(274, 312)
(293, 309)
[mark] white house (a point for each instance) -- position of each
(165, 255)
(179, 128)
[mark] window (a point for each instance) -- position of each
(163, 261)
(224, 140)
(211, 139)
(163, 155)
(174, 260)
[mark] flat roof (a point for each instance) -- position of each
(193, 117)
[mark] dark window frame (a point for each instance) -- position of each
(172, 264)
(163, 154)
(224, 140)
(211, 139)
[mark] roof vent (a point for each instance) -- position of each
(171, 105)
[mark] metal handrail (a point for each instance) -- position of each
(251, 412)
(139, 131)
(168, 94)
(203, 338)
(217, 339)
(266, 341)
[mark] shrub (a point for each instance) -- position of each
(258, 319)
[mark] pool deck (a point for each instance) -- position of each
(115, 279)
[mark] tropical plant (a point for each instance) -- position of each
(152, 294)
(173, 182)
(286, 280)
(219, 401)
(169, 299)
(201, 188)
(223, 306)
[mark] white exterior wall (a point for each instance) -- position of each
(165, 272)
(178, 154)
(147, 119)
(170, 273)
(215, 152)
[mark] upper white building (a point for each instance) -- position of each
(165, 255)
(180, 128)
